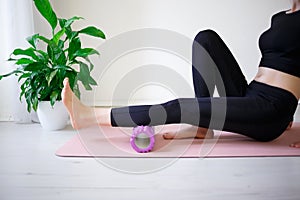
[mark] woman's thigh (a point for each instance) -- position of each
(215, 66)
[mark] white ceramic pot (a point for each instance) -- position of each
(52, 118)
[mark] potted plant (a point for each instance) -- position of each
(41, 71)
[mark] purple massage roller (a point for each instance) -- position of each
(142, 139)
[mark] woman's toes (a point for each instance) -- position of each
(168, 136)
(292, 145)
(296, 145)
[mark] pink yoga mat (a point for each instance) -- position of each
(114, 142)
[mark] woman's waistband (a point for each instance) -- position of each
(274, 92)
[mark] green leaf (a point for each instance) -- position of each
(85, 52)
(53, 97)
(35, 102)
(34, 67)
(16, 72)
(74, 45)
(25, 75)
(93, 31)
(70, 21)
(74, 34)
(23, 86)
(58, 35)
(24, 61)
(84, 76)
(50, 52)
(33, 40)
(72, 77)
(62, 22)
(44, 56)
(84, 71)
(76, 90)
(61, 44)
(50, 76)
(28, 100)
(28, 105)
(26, 52)
(12, 59)
(45, 9)
(91, 66)
(67, 23)
(44, 92)
(69, 32)
(92, 81)
(56, 54)
(61, 58)
(47, 41)
(64, 68)
(89, 61)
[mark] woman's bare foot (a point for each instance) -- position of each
(295, 144)
(80, 115)
(191, 132)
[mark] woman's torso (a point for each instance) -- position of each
(280, 47)
(279, 79)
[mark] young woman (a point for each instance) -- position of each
(261, 110)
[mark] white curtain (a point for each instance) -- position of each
(16, 22)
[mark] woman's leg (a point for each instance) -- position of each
(213, 66)
(256, 115)
(82, 116)
(262, 114)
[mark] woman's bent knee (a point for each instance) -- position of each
(206, 35)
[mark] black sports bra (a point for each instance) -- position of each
(280, 45)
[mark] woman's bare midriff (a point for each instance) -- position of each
(279, 79)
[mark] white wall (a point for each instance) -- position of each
(238, 22)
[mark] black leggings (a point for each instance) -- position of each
(257, 110)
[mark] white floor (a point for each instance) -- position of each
(30, 170)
